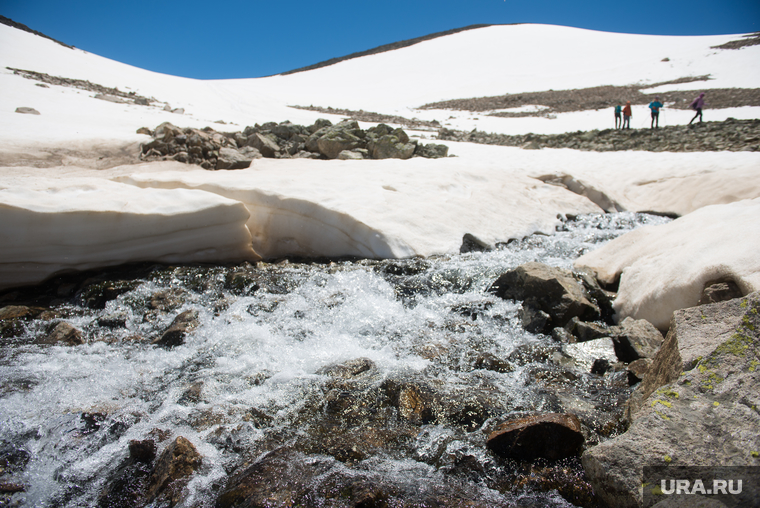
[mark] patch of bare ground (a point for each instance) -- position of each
(93, 155)
(748, 40)
(731, 135)
(80, 84)
(600, 97)
(369, 117)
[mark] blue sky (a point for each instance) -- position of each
(243, 39)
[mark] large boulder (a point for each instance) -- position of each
(229, 158)
(391, 146)
(431, 151)
(551, 290)
(263, 144)
(706, 414)
(336, 140)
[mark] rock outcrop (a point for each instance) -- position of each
(697, 405)
(322, 140)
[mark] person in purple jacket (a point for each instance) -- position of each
(697, 105)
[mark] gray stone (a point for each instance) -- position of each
(319, 124)
(351, 155)
(706, 415)
(431, 151)
(263, 144)
(694, 333)
(166, 132)
(250, 152)
(336, 140)
(287, 130)
(391, 146)
(27, 111)
(229, 158)
(534, 319)
(552, 290)
(588, 331)
(636, 338)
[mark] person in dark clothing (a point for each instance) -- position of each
(618, 118)
(627, 114)
(697, 105)
(655, 106)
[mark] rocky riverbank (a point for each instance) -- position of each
(730, 135)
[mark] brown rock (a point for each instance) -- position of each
(180, 327)
(553, 436)
(348, 369)
(177, 462)
(719, 291)
(62, 332)
(551, 290)
(19, 311)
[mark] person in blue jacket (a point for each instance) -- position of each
(655, 106)
(618, 116)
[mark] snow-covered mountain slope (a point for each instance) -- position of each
(483, 62)
(389, 208)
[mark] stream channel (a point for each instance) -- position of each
(345, 383)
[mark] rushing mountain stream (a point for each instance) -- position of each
(343, 383)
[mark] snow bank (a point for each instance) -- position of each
(52, 225)
(665, 268)
(381, 208)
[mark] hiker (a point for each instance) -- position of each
(627, 114)
(618, 119)
(655, 106)
(697, 105)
